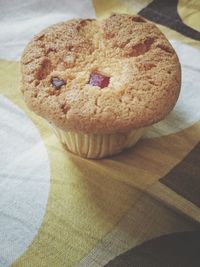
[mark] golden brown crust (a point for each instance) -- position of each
(143, 68)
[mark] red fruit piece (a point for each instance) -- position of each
(97, 79)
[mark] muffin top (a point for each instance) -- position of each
(104, 76)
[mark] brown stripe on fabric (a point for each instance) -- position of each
(184, 179)
(165, 13)
(174, 250)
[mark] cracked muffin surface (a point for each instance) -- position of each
(104, 77)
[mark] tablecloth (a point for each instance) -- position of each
(57, 209)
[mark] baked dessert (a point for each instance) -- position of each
(100, 83)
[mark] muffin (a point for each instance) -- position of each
(100, 83)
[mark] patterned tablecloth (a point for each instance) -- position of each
(57, 209)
